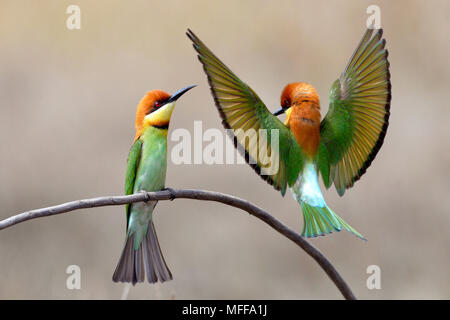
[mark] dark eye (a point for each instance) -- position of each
(286, 103)
(157, 104)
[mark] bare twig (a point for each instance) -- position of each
(197, 195)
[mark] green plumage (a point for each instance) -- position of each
(150, 175)
(241, 108)
(351, 133)
(146, 171)
(322, 220)
(132, 164)
(354, 128)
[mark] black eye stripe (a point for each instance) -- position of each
(156, 106)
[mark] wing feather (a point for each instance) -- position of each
(243, 111)
(354, 128)
(134, 157)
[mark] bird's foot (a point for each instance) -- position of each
(146, 195)
(172, 193)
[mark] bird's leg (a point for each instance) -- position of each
(172, 193)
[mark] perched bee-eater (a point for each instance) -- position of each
(340, 147)
(146, 171)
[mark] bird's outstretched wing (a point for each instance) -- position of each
(353, 130)
(132, 165)
(243, 111)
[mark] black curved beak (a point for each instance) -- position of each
(179, 93)
(279, 111)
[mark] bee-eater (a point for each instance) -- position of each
(340, 147)
(146, 171)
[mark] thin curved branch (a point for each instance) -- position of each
(197, 195)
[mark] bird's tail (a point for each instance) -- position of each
(318, 218)
(147, 258)
(319, 221)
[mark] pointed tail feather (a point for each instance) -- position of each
(318, 218)
(155, 263)
(130, 267)
(148, 258)
(319, 221)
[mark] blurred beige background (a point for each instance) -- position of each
(67, 103)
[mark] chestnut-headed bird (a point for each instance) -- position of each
(146, 171)
(340, 147)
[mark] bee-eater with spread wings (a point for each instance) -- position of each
(146, 171)
(340, 147)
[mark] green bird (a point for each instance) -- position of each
(146, 171)
(340, 147)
